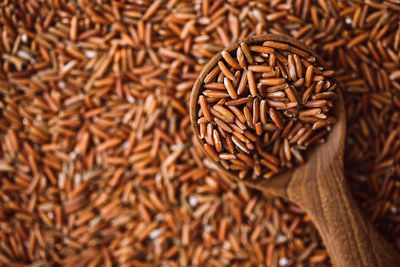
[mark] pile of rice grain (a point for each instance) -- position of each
(98, 164)
(257, 113)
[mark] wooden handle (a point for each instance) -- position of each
(350, 239)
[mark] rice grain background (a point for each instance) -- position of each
(98, 165)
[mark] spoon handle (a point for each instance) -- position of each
(350, 239)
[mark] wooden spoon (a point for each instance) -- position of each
(318, 186)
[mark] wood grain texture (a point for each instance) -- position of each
(318, 186)
(320, 189)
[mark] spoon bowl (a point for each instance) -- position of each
(318, 186)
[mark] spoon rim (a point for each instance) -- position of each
(195, 92)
